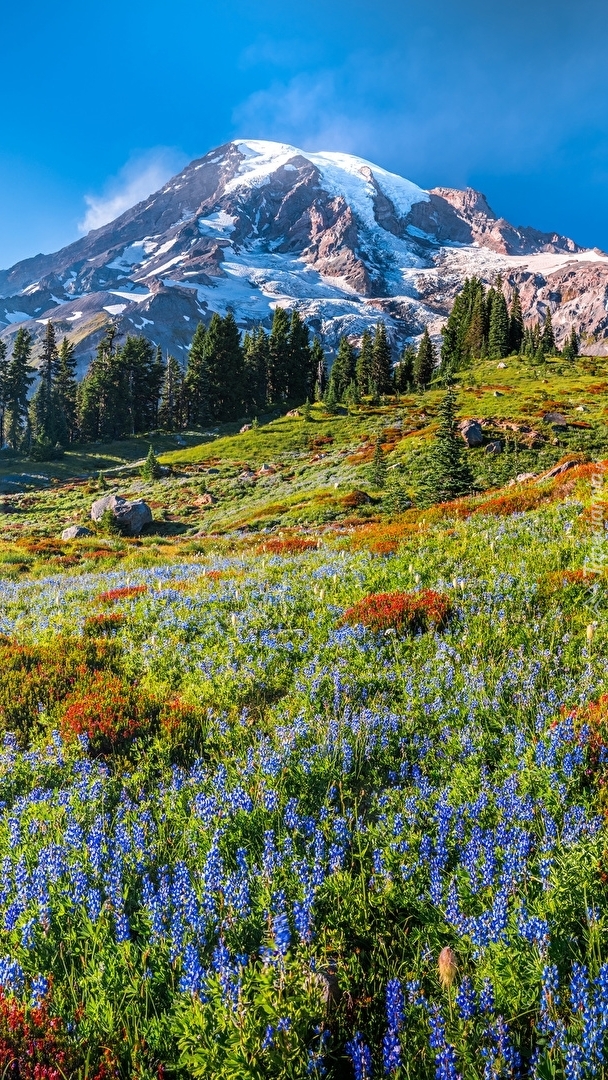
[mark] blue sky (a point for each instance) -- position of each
(101, 101)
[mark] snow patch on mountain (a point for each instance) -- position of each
(342, 174)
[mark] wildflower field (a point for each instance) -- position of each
(309, 810)
(304, 782)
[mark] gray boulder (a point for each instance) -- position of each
(75, 532)
(556, 419)
(131, 516)
(557, 470)
(494, 447)
(472, 432)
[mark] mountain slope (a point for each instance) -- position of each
(255, 224)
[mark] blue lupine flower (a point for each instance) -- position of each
(360, 1055)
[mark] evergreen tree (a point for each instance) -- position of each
(547, 336)
(66, 389)
(18, 380)
(382, 374)
(4, 363)
(318, 364)
(475, 344)
(301, 377)
(465, 335)
(377, 469)
(151, 469)
(498, 336)
(139, 370)
(196, 381)
(255, 376)
(571, 348)
(424, 364)
(279, 356)
(352, 395)
(225, 369)
(364, 370)
(343, 368)
(396, 499)
(489, 304)
(450, 345)
(449, 475)
(516, 324)
(44, 412)
(330, 399)
(171, 409)
(404, 370)
(102, 398)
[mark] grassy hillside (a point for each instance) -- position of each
(316, 472)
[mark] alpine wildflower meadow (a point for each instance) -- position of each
(309, 810)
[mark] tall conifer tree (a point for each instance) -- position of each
(319, 366)
(382, 374)
(364, 372)
(66, 388)
(516, 323)
(4, 387)
(571, 348)
(301, 380)
(343, 368)
(196, 381)
(404, 370)
(424, 364)
(278, 356)
(171, 408)
(498, 336)
(19, 378)
(449, 475)
(548, 337)
(256, 358)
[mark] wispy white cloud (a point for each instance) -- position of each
(143, 174)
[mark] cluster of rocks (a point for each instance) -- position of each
(130, 516)
(248, 475)
(549, 474)
(473, 433)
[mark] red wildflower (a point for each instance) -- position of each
(106, 709)
(35, 1045)
(404, 612)
(112, 595)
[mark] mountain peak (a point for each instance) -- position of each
(255, 224)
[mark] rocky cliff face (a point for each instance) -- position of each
(256, 224)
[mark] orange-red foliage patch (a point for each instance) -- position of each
(104, 624)
(112, 595)
(559, 579)
(289, 545)
(384, 547)
(515, 502)
(35, 1045)
(106, 709)
(403, 612)
(175, 713)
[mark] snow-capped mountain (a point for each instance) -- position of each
(253, 225)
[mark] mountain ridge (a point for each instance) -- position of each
(253, 224)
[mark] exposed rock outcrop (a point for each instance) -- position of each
(131, 517)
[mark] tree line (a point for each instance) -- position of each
(482, 324)
(129, 388)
